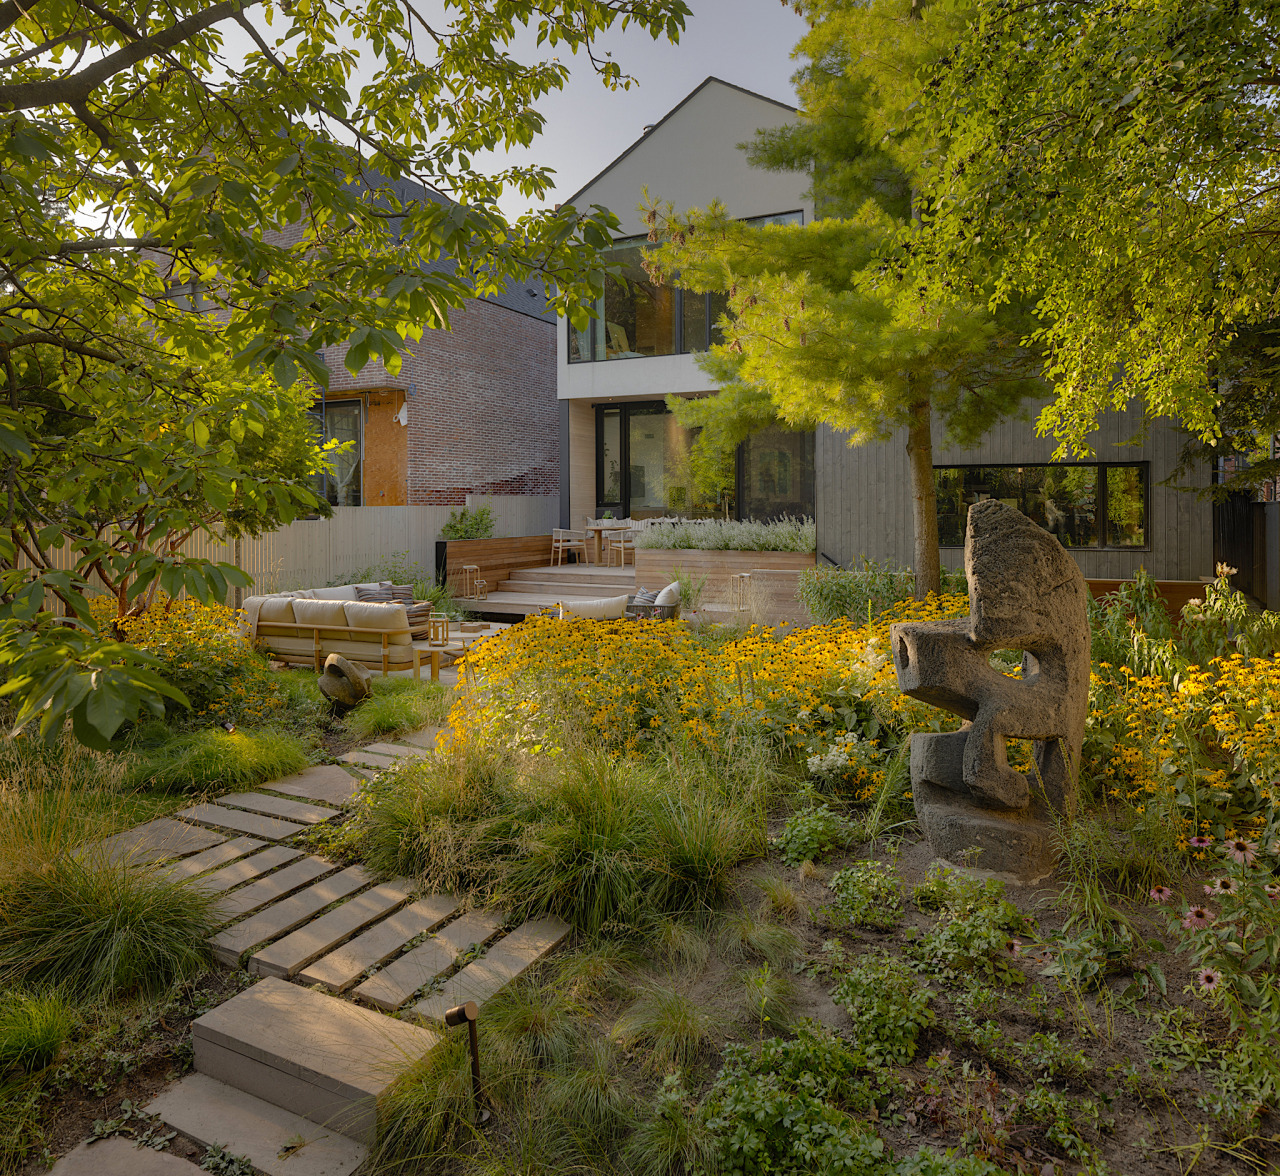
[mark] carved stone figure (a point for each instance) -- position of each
(1025, 594)
(344, 683)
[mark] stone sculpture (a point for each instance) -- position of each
(1026, 594)
(344, 683)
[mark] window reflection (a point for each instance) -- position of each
(777, 474)
(1127, 506)
(341, 421)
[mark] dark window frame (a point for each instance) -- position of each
(594, 325)
(1104, 518)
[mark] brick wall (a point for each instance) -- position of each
(484, 417)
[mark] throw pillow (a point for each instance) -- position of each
(645, 596)
(609, 608)
(373, 595)
(669, 595)
(401, 592)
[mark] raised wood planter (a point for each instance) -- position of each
(1174, 593)
(496, 558)
(776, 575)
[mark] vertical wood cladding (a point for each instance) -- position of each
(864, 495)
(483, 419)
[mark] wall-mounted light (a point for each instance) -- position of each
(413, 391)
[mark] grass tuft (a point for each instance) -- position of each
(743, 935)
(671, 1026)
(398, 705)
(213, 758)
(780, 899)
(33, 1028)
(767, 996)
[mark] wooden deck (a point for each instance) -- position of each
(530, 590)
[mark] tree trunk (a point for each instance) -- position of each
(924, 501)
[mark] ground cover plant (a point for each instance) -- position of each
(768, 975)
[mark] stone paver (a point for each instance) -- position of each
(508, 958)
(316, 1055)
(249, 867)
(282, 917)
(424, 738)
(327, 783)
(211, 859)
(277, 806)
(210, 1111)
(273, 886)
(120, 1157)
(268, 828)
(391, 987)
(155, 841)
(343, 966)
(367, 759)
(286, 956)
(393, 749)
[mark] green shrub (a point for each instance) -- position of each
(867, 894)
(101, 928)
(976, 933)
(812, 833)
(861, 593)
(397, 704)
(33, 1028)
(469, 524)
(889, 1007)
(196, 761)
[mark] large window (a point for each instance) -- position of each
(342, 420)
(775, 474)
(1088, 505)
(639, 317)
(643, 465)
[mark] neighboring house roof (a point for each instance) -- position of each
(712, 80)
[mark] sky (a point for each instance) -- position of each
(746, 42)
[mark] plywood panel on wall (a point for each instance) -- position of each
(386, 450)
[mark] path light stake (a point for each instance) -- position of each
(469, 1012)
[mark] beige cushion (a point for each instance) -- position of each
(608, 608)
(389, 618)
(275, 608)
(669, 595)
(322, 612)
(341, 592)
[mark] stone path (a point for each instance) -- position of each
(288, 1072)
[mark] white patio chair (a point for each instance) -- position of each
(563, 540)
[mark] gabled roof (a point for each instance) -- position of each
(666, 117)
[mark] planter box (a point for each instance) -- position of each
(496, 558)
(775, 577)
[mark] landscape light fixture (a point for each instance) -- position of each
(469, 1012)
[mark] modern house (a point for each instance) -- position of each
(624, 453)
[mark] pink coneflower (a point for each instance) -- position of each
(1222, 886)
(1208, 979)
(1014, 947)
(1200, 842)
(1242, 851)
(1197, 916)
(1272, 891)
(1161, 893)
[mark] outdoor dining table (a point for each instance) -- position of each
(598, 529)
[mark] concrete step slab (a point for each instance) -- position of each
(212, 1112)
(367, 759)
(282, 917)
(508, 958)
(318, 1056)
(211, 859)
(296, 874)
(393, 749)
(391, 987)
(327, 783)
(426, 737)
(343, 966)
(268, 828)
(154, 842)
(292, 953)
(118, 1156)
(277, 806)
(249, 867)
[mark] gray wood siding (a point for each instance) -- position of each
(863, 496)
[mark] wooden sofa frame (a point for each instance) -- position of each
(363, 636)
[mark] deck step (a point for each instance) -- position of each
(268, 828)
(292, 953)
(211, 859)
(210, 1112)
(391, 987)
(296, 874)
(277, 806)
(316, 1055)
(395, 750)
(508, 958)
(249, 867)
(343, 966)
(423, 738)
(154, 842)
(282, 917)
(327, 783)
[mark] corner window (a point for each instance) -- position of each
(342, 420)
(638, 317)
(1084, 505)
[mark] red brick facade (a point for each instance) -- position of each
(483, 418)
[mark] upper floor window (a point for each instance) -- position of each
(1085, 505)
(637, 316)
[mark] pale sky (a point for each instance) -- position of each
(746, 42)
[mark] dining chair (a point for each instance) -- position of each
(620, 541)
(563, 539)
